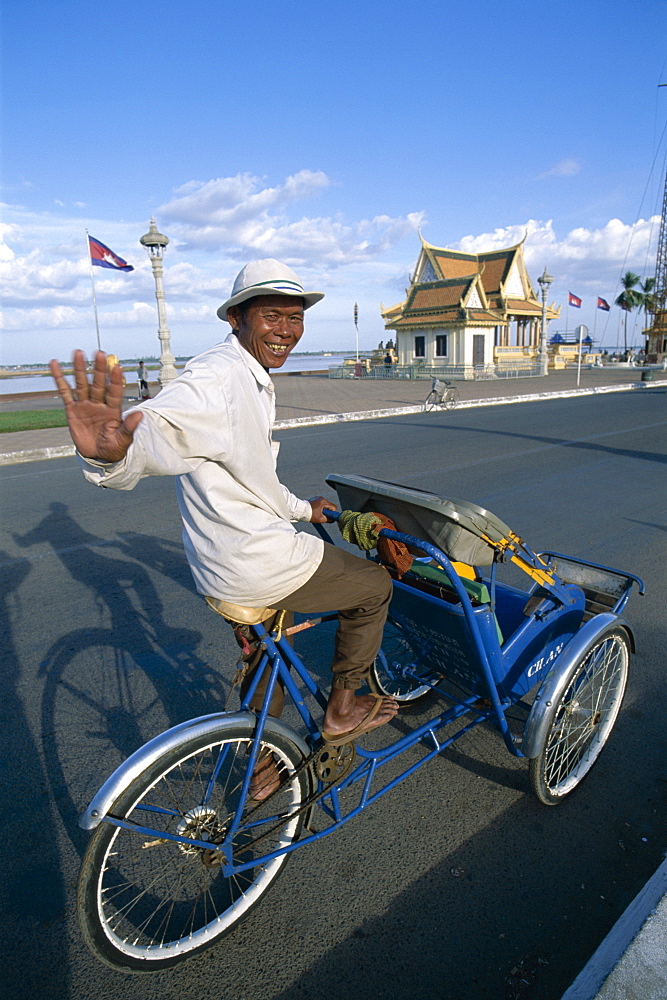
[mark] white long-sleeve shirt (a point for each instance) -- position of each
(211, 428)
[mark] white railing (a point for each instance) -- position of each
(510, 369)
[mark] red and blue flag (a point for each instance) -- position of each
(574, 300)
(102, 256)
(603, 304)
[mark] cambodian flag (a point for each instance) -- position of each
(603, 304)
(574, 301)
(102, 256)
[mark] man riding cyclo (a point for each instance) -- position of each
(211, 428)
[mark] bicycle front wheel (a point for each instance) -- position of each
(431, 401)
(450, 399)
(146, 903)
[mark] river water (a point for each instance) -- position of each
(44, 383)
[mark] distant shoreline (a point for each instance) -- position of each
(38, 382)
(20, 371)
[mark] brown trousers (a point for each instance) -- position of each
(360, 591)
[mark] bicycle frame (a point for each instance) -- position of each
(287, 667)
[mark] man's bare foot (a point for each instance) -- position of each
(265, 778)
(346, 711)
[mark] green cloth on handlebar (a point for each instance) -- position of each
(362, 530)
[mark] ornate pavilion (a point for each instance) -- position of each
(468, 309)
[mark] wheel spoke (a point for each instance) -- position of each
(395, 669)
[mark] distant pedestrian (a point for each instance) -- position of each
(388, 361)
(142, 377)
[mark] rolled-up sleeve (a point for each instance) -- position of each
(299, 510)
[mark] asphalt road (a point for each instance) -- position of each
(458, 884)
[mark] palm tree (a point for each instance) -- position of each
(628, 300)
(648, 297)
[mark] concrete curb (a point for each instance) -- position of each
(337, 418)
(36, 454)
(41, 454)
(631, 962)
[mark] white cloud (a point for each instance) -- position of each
(595, 257)
(213, 228)
(37, 278)
(238, 215)
(227, 201)
(217, 225)
(564, 168)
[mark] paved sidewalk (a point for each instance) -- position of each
(304, 399)
(631, 962)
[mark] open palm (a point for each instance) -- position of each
(94, 410)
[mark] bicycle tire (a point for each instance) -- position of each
(392, 671)
(450, 400)
(582, 719)
(430, 402)
(146, 904)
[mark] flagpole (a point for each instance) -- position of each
(92, 282)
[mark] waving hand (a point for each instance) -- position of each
(93, 409)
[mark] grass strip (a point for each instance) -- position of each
(31, 420)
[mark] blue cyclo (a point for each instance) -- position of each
(181, 852)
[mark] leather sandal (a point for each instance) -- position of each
(365, 726)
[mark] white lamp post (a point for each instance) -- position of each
(544, 281)
(155, 243)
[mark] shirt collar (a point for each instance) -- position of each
(253, 364)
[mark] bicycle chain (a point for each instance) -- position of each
(330, 764)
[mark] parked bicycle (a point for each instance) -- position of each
(442, 394)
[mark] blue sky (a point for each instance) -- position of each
(327, 135)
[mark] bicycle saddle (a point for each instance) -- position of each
(237, 613)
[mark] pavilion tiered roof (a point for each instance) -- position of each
(451, 287)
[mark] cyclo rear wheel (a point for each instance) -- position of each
(146, 903)
(393, 671)
(582, 718)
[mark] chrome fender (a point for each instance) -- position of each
(556, 681)
(136, 763)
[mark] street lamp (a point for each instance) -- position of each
(544, 281)
(155, 243)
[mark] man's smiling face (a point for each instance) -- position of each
(269, 328)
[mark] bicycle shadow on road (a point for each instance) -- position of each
(111, 687)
